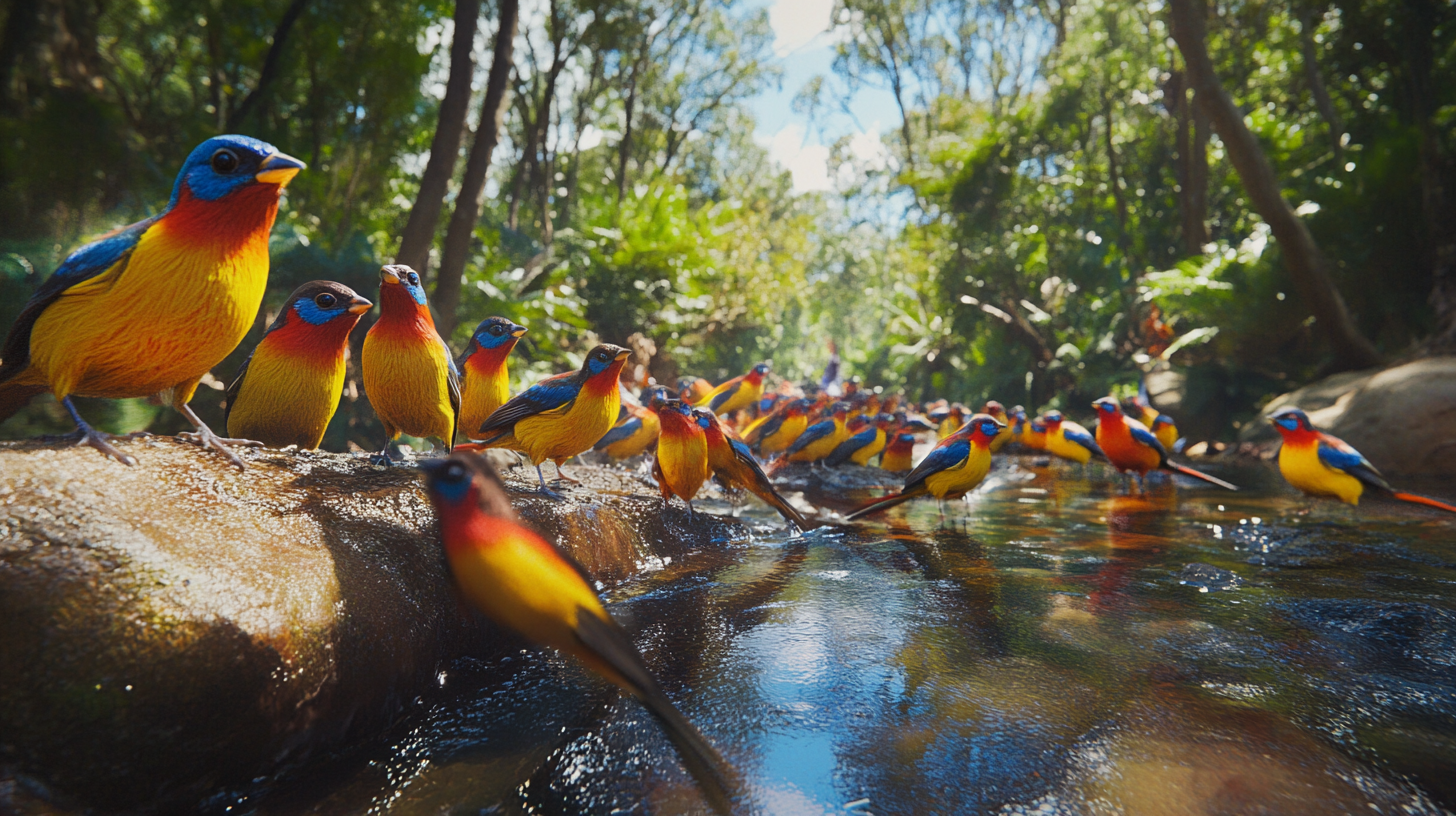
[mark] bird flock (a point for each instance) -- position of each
(151, 308)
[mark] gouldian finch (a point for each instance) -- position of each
(485, 381)
(864, 444)
(739, 392)
(1322, 465)
(525, 584)
(734, 465)
(287, 390)
(899, 452)
(409, 376)
(782, 429)
(562, 415)
(952, 469)
(998, 413)
(1065, 438)
(681, 465)
(151, 308)
(1131, 447)
(636, 430)
(820, 439)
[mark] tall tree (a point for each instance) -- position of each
(424, 217)
(1302, 257)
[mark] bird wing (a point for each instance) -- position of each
(813, 433)
(619, 433)
(847, 448)
(768, 428)
(235, 387)
(551, 394)
(1081, 437)
(723, 393)
(1338, 454)
(944, 457)
(744, 455)
(452, 381)
(108, 254)
(1141, 434)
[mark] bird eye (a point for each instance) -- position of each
(496, 330)
(326, 301)
(224, 161)
(414, 279)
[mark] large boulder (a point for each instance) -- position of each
(1403, 418)
(176, 628)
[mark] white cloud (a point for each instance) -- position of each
(809, 163)
(797, 22)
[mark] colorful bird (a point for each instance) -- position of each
(530, 587)
(899, 452)
(636, 429)
(1140, 407)
(820, 439)
(561, 416)
(1068, 440)
(739, 392)
(952, 469)
(1322, 465)
(998, 412)
(485, 382)
(287, 390)
(152, 307)
(955, 417)
(734, 465)
(409, 375)
(1166, 431)
(1034, 435)
(681, 465)
(863, 445)
(782, 429)
(692, 389)
(1131, 447)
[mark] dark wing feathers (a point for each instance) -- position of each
(1143, 435)
(848, 447)
(813, 433)
(1338, 454)
(1085, 440)
(943, 457)
(619, 433)
(726, 394)
(236, 387)
(550, 393)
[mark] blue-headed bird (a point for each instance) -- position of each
(1323, 465)
(739, 392)
(1132, 448)
(952, 469)
(733, 464)
(532, 588)
(998, 413)
(287, 390)
(151, 308)
(485, 379)
(899, 451)
(409, 376)
(1064, 438)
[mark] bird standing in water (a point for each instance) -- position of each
(1066, 439)
(734, 465)
(739, 392)
(409, 375)
(151, 308)
(562, 415)
(525, 584)
(1132, 448)
(1322, 465)
(485, 378)
(952, 469)
(681, 465)
(287, 390)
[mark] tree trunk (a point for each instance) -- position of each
(1419, 30)
(424, 217)
(624, 150)
(270, 65)
(1198, 173)
(1302, 257)
(1317, 85)
(472, 188)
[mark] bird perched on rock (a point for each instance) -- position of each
(287, 390)
(152, 307)
(952, 469)
(739, 392)
(734, 465)
(681, 465)
(1066, 439)
(820, 439)
(1132, 448)
(410, 379)
(530, 587)
(997, 412)
(781, 429)
(899, 450)
(1322, 465)
(561, 416)
(485, 380)
(864, 444)
(636, 429)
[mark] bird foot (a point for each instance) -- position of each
(102, 442)
(381, 459)
(203, 437)
(551, 494)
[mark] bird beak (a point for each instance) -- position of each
(623, 354)
(360, 306)
(518, 331)
(387, 276)
(279, 169)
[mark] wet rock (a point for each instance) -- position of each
(816, 480)
(177, 627)
(1357, 407)
(1208, 578)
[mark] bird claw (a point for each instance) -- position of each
(203, 437)
(381, 459)
(551, 494)
(101, 441)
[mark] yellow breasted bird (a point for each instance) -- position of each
(409, 375)
(781, 429)
(997, 412)
(820, 439)
(899, 451)
(1132, 448)
(681, 465)
(864, 445)
(636, 430)
(739, 392)
(952, 469)
(734, 465)
(485, 379)
(1065, 438)
(287, 390)
(955, 417)
(1322, 465)
(525, 584)
(1141, 408)
(561, 416)
(151, 308)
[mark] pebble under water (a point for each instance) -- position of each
(1050, 646)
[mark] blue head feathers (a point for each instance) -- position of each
(224, 164)
(494, 332)
(406, 277)
(601, 358)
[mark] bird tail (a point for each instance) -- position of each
(772, 498)
(1415, 499)
(884, 504)
(14, 396)
(1188, 471)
